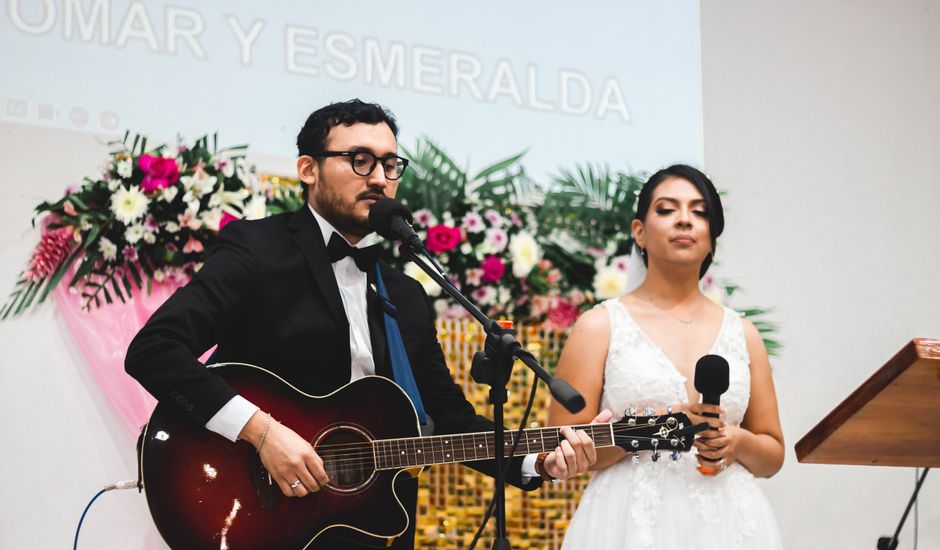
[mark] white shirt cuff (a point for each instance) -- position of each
(232, 417)
(528, 467)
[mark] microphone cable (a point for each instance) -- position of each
(128, 484)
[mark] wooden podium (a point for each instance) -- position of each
(890, 420)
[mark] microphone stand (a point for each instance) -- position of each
(493, 366)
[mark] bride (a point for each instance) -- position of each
(639, 351)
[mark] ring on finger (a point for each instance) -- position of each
(295, 484)
(721, 464)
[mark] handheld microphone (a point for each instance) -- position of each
(390, 219)
(711, 379)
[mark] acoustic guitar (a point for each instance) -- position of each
(205, 492)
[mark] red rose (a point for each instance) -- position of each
(493, 269)
(158, 172)
(442, 238)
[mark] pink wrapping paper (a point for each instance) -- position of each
(103, 335)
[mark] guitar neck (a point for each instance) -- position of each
(443, 449)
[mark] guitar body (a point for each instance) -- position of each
(206, 492)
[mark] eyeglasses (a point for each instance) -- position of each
(363, 162)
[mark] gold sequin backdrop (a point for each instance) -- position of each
(453, 498)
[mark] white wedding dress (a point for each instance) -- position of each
(667, 505)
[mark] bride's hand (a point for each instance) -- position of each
(721, 449)
(717, 442)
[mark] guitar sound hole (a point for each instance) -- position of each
(347, 458)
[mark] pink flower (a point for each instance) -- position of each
(130, 254)
(496, 239)
(226, 218)
(69, 208)
(54, 246)
(516, 220)
(170, 247)
(474, 276)
(159, 172)
(577, 297)
(621, 263)
(424, 217)
(554, 276)
(192, 245)
(442, 238)
(493, 269)
(562, 315)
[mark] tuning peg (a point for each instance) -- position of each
(631, 411)
(674, 441)
(648, 411)
(671, 423)
(636, 458)
(635, 444)
(669, 409)
(655, 457)
(674, 455)
(631, 422)
(655, 443)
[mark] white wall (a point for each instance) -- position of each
(822, 119)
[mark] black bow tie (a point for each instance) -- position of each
(365, 258)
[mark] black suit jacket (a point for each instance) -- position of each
(268, 296)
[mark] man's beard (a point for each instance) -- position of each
(342, 218)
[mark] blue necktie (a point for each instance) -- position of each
(401, 367)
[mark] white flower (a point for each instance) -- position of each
(256, 208)
(609, 282)
(472, 222)
(525, 254)
(494, 218)
(158, 275)
(416, 273)
(134, 233)
(228, 168)
(211, 219)
(129, 204)
(448, 219)
(84, 225)
(496, 240)
(466, 249)
(171, 227)
(169, 193)
(150, 238)
(113, 184)
(440, 306)
(215, 200)
(485, 295)
(125, 168)
(200, 183)
(425, 218)
(108, 249)
(505, 297)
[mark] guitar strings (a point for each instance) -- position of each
(363, 454)
(616, 428)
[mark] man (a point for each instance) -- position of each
(284, 293)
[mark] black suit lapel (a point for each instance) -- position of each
(309, 239)
(376, 327)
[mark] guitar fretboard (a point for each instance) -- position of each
(442, 449)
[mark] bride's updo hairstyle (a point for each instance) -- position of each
(713, 209)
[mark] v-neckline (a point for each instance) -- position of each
(662, 353)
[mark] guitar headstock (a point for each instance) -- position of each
(670, 432)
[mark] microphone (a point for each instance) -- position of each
(390, 219)
(711, 379)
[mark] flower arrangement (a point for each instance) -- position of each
(538, 253)
(150, 215)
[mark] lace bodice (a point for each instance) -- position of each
(639, 374)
